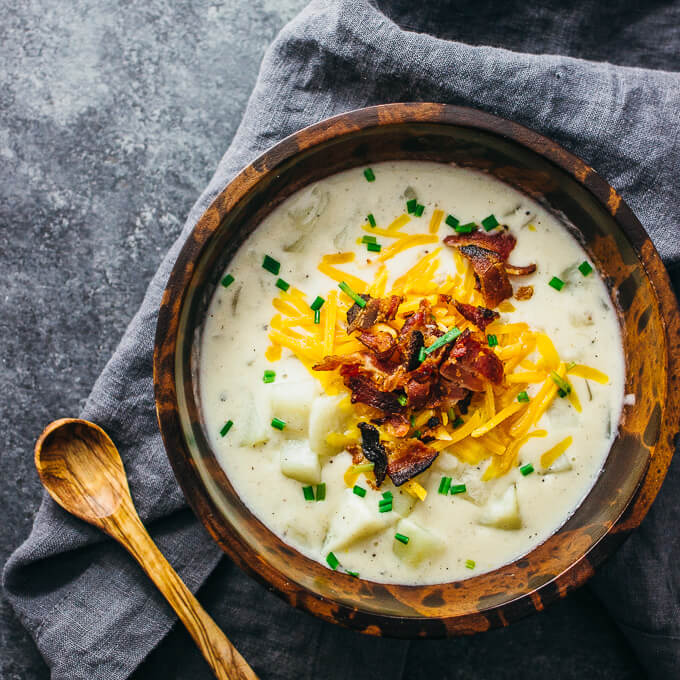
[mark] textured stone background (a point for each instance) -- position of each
(113, 116)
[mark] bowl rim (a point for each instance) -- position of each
(351, 122)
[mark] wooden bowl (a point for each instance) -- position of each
(616, 243)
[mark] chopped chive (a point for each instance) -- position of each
(412, 420)
(386, 501)
(417, 434)
(321, 491)
(373, 247)
(402, 399)
(411, 206)
(449, 336)
(385, 507)
(470, 564)
(452, 221)
(387, 495)
(317, 316)
(359, 490)
(523, 396)
(561, 383)
(278, 423)
(283, 285)
(556, 283)
(457, 422)
(308, 493)
(419, 209)
(271, 265)
(585, 268)
(444, 485)
(348, 291)
(318, 303)
(332, 560)
(227, 280)
(458, 488)
(526, 469)
(492, 340)
(466, 228)
(226, 427)
(371, 219)
(401, 538)
(269, 376)
(368, 239)
(489, 222)
(369, 175)
(353, 573)
(422, 353)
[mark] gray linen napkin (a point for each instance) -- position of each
(91, 611)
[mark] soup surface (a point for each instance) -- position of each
(440, 440)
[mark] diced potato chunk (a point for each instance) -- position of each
(299, 462)
(503, 512)
(422, 543)
(403, 502)
(356, 518)
(253, 428)
(291, 402)
(326, 416)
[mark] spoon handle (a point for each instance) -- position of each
(224, 659)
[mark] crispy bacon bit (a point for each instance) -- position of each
(446, 394)
(379, 342)
(490, 273)
(374, 451)
(514, 270)
(410, 458)
(375, 311)
(355, 451)
(488, 254)
(335, 361)
(417, 393)
(395, 424)
(470, 363)
(524, 293)
(365, 392)
(414, 343)
(423, 321)
(501, 243)
(479, 316)
(464, 403)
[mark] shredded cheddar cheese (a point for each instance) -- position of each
(410, 241)
(415, 489)
(551, 455)
(589, 373)
(435, 221)
(497, 426)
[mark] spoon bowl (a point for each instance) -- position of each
(81, 469)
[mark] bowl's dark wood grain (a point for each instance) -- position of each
(618, 246)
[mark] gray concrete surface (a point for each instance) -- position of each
(112, 118)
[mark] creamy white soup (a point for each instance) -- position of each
(394, 389)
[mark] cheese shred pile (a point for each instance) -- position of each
(496, 424)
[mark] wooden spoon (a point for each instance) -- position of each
(81, 469)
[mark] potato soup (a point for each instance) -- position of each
(411, 373)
